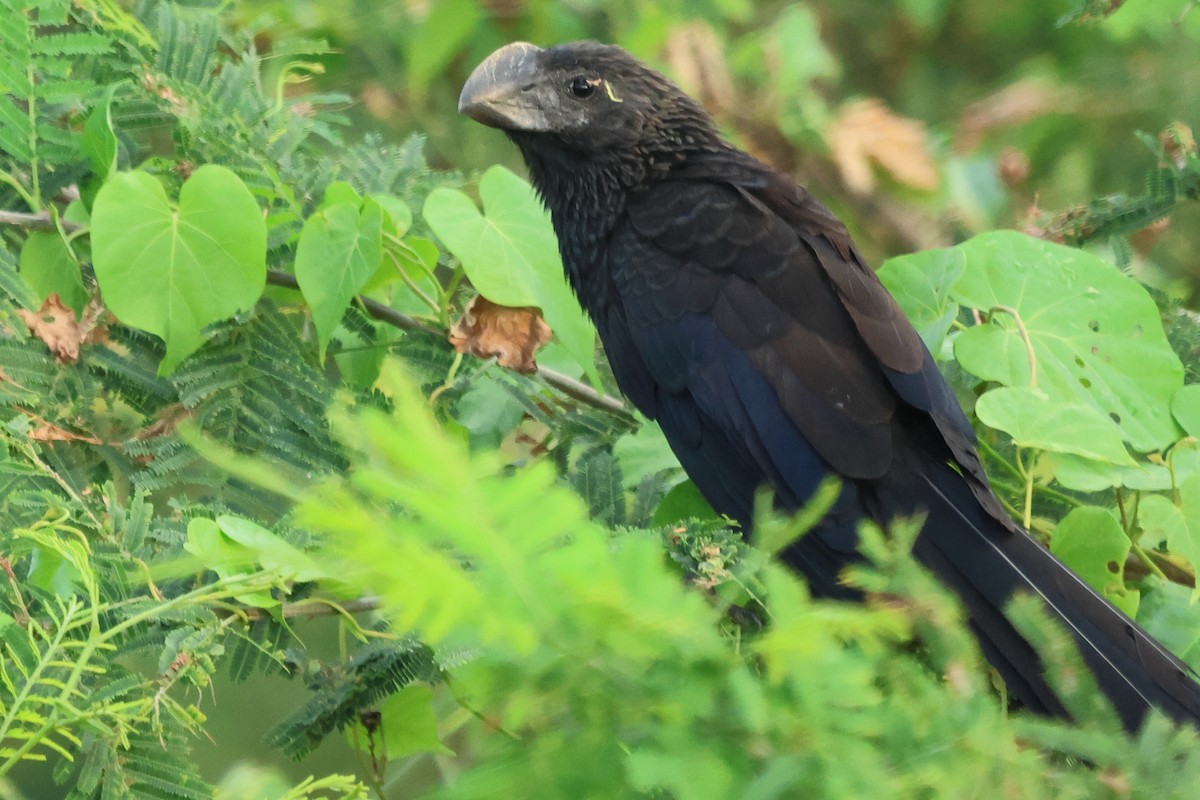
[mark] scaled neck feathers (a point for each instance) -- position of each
(587, 191)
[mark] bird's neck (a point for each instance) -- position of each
(587, 198)
(587, 201)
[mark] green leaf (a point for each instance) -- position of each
(398, 212)
(645, 452)
(270, 550)
(1086, 475)
(681, 503)
(338, 193)
(98, 142)
(925, 14)
(802, 53)
(921, 283)
(216, 551)
(1096, 333)
(1168, 613)
(489, 411)
(409, 724)
(1035, 420)
(52, 572)
(1177, 525)
(48, 266)
(437, 38)
(1185, 407)
(597, 478)
(510, 254)
(1090, 541)
(173, 269)
(340, 249)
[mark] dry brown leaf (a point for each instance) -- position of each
(1012, 165)
(55, 325)
(49, 432)
(1179, 144)
(1010, 106)
(697, 62)
(867, 133)
(379, 101)
(511, 335)
(167, 421)
(90, 329)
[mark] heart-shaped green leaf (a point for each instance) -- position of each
(511, 255)
(339, 250)
(172, 269)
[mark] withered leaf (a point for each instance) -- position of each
(511, 335)
(166, 422)
(866, 133)
(55, 324)
(697, 61)
(49, 432)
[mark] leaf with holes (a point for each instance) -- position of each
(172, 269)
(1177, 525)
(510, 254)
(1095, 332)
(1035, 420)
(1090, 541)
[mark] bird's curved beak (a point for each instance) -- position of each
(502, 91)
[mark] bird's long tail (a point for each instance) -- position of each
(986, 563)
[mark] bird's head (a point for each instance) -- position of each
(583, 97)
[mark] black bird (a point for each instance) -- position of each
(736, 311)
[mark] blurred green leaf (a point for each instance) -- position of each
(1185, 406)
(682, 503)
(1177, 525)
(409, 724)
(1090, 541)
(98, 142)
(431, 43)
(1168, 613)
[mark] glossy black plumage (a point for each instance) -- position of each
(735, 310)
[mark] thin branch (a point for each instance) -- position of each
(40, 221)
(1024, 332)
(310, 609)
(571, 387)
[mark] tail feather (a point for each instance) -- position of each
(986, 563)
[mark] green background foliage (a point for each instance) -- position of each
(264, 533)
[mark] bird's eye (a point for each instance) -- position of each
(583, 87)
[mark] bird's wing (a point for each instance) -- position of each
(774, 278)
